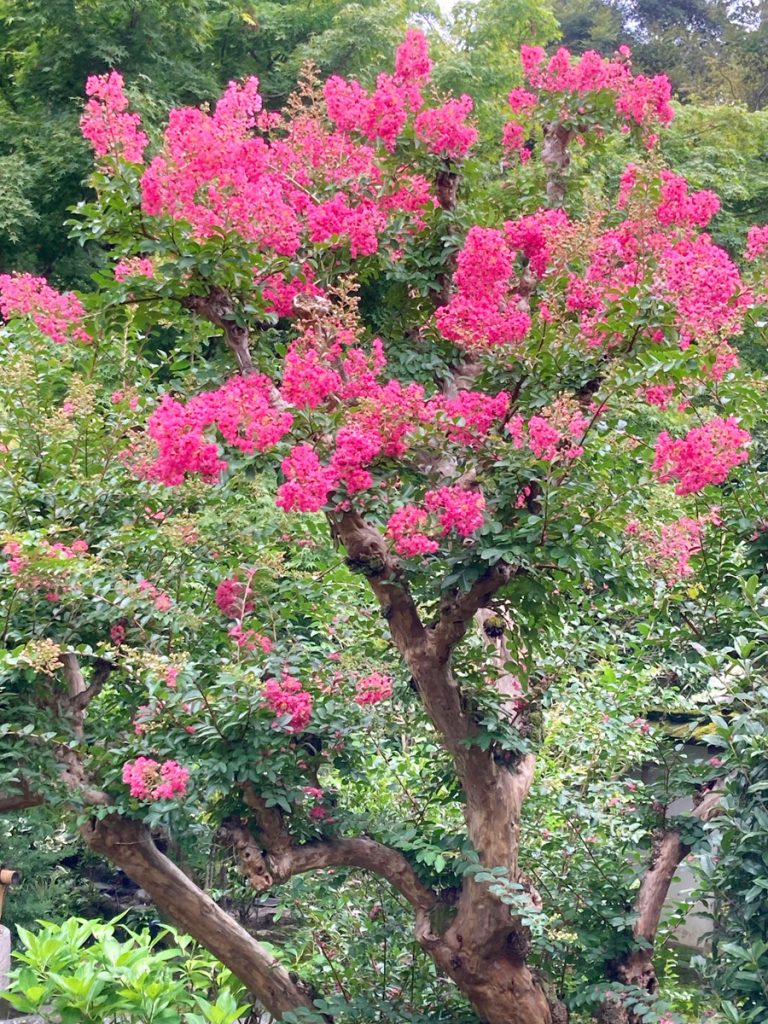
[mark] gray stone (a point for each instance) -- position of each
(5, 956)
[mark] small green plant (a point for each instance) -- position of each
(83, 972)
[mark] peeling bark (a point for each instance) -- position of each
(484, 948)
(264, 868)
(217, 307)
(636, 967)
(556, 159)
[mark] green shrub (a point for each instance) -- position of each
(83, 972)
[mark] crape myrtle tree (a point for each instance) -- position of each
(497, 386)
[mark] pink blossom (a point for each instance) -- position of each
(669, 550)
(307, 482)
(106, 122)
(134, 267)
(248, 639)
(637, 98)
(705, 456)
(471, 415)
(521, 100)
(412, 63)
(242, 410)
(444, 130)
(280, 293)
(456, 509)
(336, 221)
(757, 242)
(232, 598)
(288, 697)
(373, 689)
(150, 780)
(57, 314)
(514, 138)
(404, 528)
(483, 312)
(117, 634)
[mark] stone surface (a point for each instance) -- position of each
(5, 956)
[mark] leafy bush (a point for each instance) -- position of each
(86, 974)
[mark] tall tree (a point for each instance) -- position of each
(497, 395)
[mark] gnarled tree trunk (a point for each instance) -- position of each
(129, 845)
(485, 948)
(636, 966)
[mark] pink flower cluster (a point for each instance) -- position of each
(382, 114)
(106, 122)
(248, 639)
(158, 597)
(57, 314)
(230, 171)
(659, 395)
(675, 206)
(286, 696)
(326, 363)
(470, 416)
(315, 797)
(484, 311)
(412, 63)
(243, 412)
(136, 266)
(552, 437)
(757, 242)
(405, 528)
(307, 482)
(706, 455)
(663, 255)
(521, 100)
(445, 509)
(216, 175)
(379, 427)
(150, 780)
(514, 137)
(339, 222)
(373, 689)
(704, 286)
(279, 293)
(638, 98)
(444, 129)
(19, 563)
(232, 597)
(670, 551)
(538, 237)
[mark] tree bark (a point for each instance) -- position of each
(24, 797)
(555, 157)
(484, 949)
(128, 844)
(217, 307)
(636, 966)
